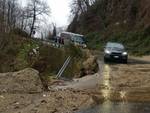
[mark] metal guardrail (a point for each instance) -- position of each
(63, 67)
(53, 44)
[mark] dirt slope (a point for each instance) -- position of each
(21, 92)
(46, 102)
(24, 81)
(113, 16)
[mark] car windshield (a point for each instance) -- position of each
(114, 45)
(78, 39)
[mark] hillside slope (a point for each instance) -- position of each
(126, 21)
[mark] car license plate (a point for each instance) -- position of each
(116, 56)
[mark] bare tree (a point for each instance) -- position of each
(15, 17)
(3, 11)
(80, 6)
(12, 13)
(36, 8)
(9, 12)
(54, 30)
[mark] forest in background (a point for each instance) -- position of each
(125, 21)
(24, 19)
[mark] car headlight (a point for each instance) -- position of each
(84, 45)
(107, 52)
(124, 53)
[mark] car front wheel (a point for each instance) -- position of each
(125, 61)
(105, 60)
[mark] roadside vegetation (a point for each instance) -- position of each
(18, 48)
(16, 53)
(136, 42)
(109, 20)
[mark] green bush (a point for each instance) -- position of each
(74, 51)
(51, 60)
(18, 31)
(94, 40)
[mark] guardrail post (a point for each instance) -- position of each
(63, 67)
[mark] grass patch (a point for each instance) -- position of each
(94, 40)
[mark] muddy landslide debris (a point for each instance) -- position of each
(24, 81)
(21, 92)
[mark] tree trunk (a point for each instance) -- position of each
(3, 15)
(33, 22)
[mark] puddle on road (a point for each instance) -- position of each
(118, 107)
(115, 107)
(107, 91)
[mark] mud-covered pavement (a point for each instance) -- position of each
(116, 81)
(126, 84)
(47, 102)
(123, 88)
(22, 92)
(130, 82)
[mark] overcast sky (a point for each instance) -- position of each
(60, 11)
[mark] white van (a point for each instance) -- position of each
(76, 39)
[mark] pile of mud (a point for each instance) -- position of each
(21, 92)
(67, 101)
(24, 81)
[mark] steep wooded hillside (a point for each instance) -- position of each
(120, 20)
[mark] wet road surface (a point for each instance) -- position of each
(118, 107)
(134, 76)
